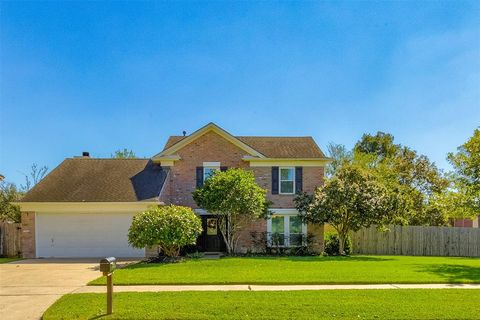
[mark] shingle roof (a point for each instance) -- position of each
(274, 147)
(100, 180)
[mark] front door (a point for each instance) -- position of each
(211, 239)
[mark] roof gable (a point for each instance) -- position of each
(176, 145)
(271, 147)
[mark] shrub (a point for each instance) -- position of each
(332, 244)
(263, 246)
(169, 227)
(195, 255)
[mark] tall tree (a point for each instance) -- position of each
(403, 171)
(339, 154)
(235, 198)
(380, 144)
(466, 175)
(123, 154)
(36, 174)
(352, 199)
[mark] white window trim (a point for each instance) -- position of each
(210, 165)
(280, 180)
(286, 214)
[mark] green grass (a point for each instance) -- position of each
(304, 270)
(6, 260)
(327, 304)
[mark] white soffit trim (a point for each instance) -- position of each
(287, 162)
(290, 211)
(97, 207)
(209, 127)
(211, 164)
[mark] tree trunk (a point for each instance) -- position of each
(225, 232)
(341, 244)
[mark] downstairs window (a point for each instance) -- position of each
(286, 231)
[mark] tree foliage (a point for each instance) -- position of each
(8, 194)
(381, 145)
(235, 198)
(466, 176)
(413, 178)
(339, 154)
(169, 227)
(124, 154)
(353, 198)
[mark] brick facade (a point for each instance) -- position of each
(245, 240)
(211, 147)
(208, 148)
(312, 178)
(466, 223)
(28, 234)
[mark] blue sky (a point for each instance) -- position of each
(100, 76)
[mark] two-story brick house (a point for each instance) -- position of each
(83, 208)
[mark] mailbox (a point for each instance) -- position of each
(108, 265)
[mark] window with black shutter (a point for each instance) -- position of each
(298, 179)
(199, 177)
(274, 180)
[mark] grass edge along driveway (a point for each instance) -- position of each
(7, 260)
(302, 270)
(337, 304)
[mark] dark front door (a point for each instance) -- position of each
(211, 239)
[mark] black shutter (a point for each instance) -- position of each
(298, 179)
(199, 177)
(223, 168)
(274, 180)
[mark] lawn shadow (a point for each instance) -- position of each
(315, 259)
(341, 258)
(453, 272)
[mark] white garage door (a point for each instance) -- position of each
(81, 235)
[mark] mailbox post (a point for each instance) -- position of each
(107, 267)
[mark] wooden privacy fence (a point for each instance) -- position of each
(10, 239)
(418, 241)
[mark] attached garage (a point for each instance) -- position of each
(78, 235)
(84, 207)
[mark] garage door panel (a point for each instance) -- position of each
(84, 235)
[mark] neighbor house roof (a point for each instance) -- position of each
(273, 147)
(100, 180)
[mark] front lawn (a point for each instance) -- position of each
(6, 260)
(303, 270)
(327, 304)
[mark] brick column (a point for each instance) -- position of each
(28, 234)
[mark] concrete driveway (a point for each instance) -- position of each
(29, 287)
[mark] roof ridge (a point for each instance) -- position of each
(273, 136)
(91, 158)
(255, 137)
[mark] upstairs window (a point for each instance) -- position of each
(209, 169)
(287, 181)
